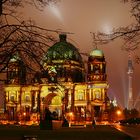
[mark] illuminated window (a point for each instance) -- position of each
(12, 98)
(66, 55)
(80, 96)
(97, 94)
(70, 54)
(54, 54)
(27, 98)
(91, 67)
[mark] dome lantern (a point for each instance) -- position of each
(62, 37)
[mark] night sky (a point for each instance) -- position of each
(84, 16)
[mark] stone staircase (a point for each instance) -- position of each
(79, 124)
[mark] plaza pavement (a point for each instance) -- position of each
(101, 132)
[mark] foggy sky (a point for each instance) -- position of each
(84, 16)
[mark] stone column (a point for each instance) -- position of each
(66, 99)
(38, 101)
(72, 98)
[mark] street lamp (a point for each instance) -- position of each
(118, 112)
(71, 116)
(24, 115)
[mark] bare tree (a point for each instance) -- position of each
(23, 37)
(29, 40)
(9, 6)
(130, 34)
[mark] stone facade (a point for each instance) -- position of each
(63, 86)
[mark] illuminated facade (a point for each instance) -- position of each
(63, 86)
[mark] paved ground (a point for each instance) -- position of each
(101, 132)
(132, 130)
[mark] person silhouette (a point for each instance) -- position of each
(93, 123)
(46, 123)
(48, 119)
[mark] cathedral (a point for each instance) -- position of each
(65, 86)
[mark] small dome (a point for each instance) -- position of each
(96, 53)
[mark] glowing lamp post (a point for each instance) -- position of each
(71, 116)
(118, 112)
(24, 116)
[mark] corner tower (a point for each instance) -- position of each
(97, 83)
(16, 71)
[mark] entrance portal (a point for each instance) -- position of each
(96, 111)
(54, 103)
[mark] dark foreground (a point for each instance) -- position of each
(101, 132)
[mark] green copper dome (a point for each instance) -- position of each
(63, 50)
(96, 53)
(63, 62)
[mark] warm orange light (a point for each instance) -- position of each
(24, 114)
(70, 114)
(118, 112)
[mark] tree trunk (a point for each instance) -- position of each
(0, 7)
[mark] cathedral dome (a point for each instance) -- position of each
(63, 50)
(63, 62)
(96, 53)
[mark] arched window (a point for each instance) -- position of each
(12, 98)
(27, 98)
(97, 94)
(81, 96)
